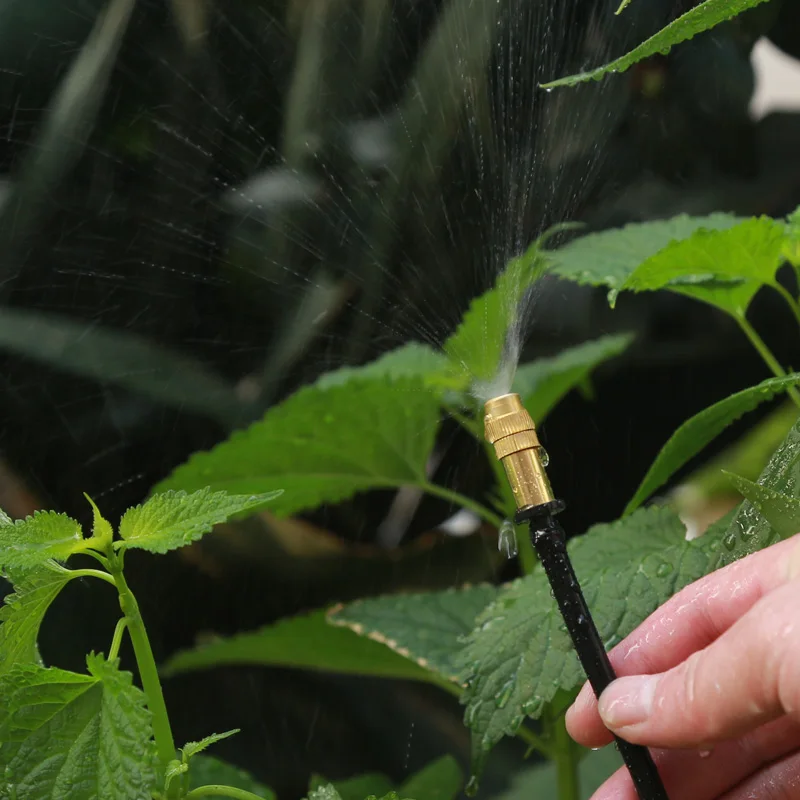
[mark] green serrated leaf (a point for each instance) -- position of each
(520, 655)
(608, 258)
(173, 519)
(724, 268)
(412, 360)
(699, 19)
(174, 770)
(5, 519)
(699, 430)
(191, 749)
(324, 445)
(44, 536)
(206, 770)
(85, 737)
(307, 642)
(426, 628)
(779, 510)
(478, 344)
(22, 612)
(440, 780)
(544, 382)
(101, 527)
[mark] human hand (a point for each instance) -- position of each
(714, 676)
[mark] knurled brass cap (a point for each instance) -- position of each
(506, 416)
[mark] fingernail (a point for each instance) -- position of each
(628, 701)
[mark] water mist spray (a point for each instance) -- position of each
(509, 428)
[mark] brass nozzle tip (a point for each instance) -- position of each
(510, 429)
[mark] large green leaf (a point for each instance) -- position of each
(82, 737)
(426, 628)
(608, 258)
(43, 536)
(206, 770)
(479, 343)
(308, 642)
(22, 612)
(700, 429)
(542, 383)
(324, 445)
(412, 360)
(722, 267)
(699, 19)
(174, 519)
(520, 654)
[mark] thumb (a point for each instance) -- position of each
(748, 676)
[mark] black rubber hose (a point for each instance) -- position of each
(549, 542)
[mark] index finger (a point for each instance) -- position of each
(687, 622)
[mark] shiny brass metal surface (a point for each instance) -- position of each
(510, 429)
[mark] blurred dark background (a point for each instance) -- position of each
(206, 204)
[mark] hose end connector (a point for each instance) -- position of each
(508, 427)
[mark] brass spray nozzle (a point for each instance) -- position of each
(510, 429)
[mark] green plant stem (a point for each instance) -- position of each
(566, 763)
(148, 672)
(466, 502)
(116, 642)
(91, 573)
(214, 790)
(766, 354)
(787, 296)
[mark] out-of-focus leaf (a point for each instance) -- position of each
(695, 21)
(426, 628)
(358, 787)
(306, 642)
(541, 781)
(699, 430)
(123, 359)
(779, 510)
(323, 446)
(64, 133)
(206, 770)
(544, 382)
(440, 780)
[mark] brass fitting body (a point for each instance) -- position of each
(510, 429)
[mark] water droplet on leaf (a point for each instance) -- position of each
(532, 706)
(663, 570)
(730, 541)
(504, 695)
(471, 789)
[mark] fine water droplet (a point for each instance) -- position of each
(504, 695)
(471, 789)
(704, 753)
(581, 619)
(663, 570)
(471, 713)
(749, 531)
(544, 456)
(714, 547)
(516, 721)
(730, 541)
(507, 539)
(532, 706)
(563, 627)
